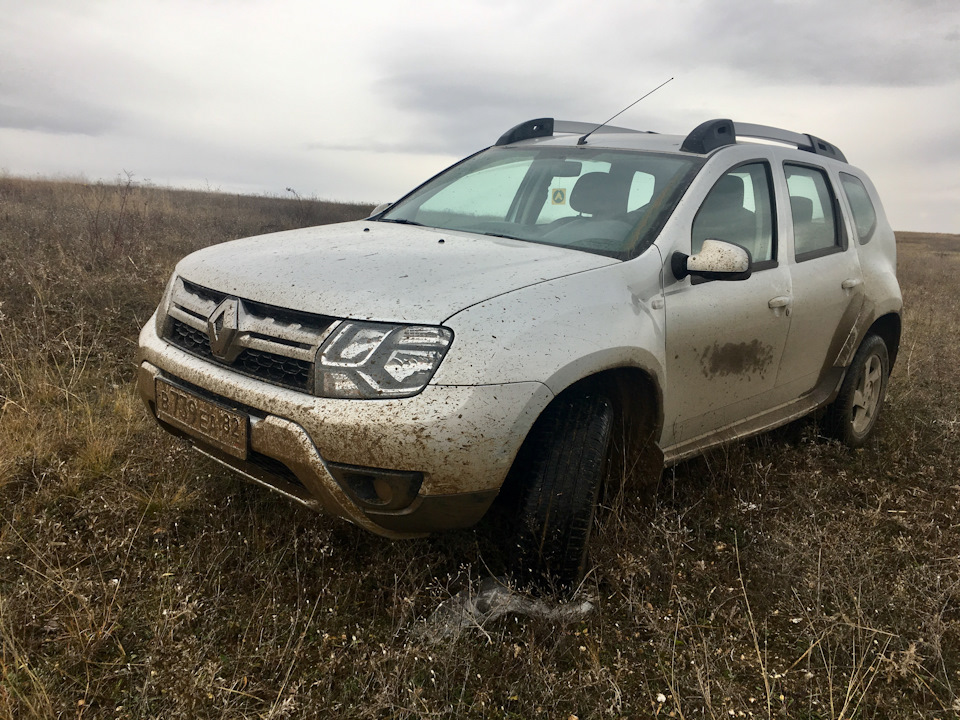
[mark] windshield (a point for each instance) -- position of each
(608, 202)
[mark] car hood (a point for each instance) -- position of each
(379, 271)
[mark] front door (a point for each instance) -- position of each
(725, 339)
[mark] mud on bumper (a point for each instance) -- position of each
(451, 485)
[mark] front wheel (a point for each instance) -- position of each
(853, 415)
(565, 461)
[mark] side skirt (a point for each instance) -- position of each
(820, 396)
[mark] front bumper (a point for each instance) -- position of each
(459, 441)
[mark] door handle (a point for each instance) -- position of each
(850, 283)
(780, 304)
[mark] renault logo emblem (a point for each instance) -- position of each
(222, 327)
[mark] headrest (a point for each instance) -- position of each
(802, 209)
(598, 193)
(729, 191)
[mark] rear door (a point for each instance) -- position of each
(825, 276)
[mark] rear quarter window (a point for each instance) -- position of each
(864, 214)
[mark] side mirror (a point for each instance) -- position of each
(382, 207)
(717, 260)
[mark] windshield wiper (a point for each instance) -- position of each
(501, 235)
(401, 221)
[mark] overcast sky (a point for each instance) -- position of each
(361, 100)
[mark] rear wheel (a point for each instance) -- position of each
(565, 461)
(852, 416)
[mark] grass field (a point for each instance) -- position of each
(784, 576)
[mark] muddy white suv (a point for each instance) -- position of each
(563, 309)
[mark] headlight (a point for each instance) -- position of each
(376, 360)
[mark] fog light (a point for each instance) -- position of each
(375, 489)
(383, 489)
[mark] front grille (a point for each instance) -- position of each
(190, 339)
(275, 369)
(271, 368)
(271, 344)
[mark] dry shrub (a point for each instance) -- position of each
(782, 576)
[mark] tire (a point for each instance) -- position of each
(853, 415)
(566, 460)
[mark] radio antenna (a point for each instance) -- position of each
(583, 140)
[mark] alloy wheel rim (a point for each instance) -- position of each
(866, 397)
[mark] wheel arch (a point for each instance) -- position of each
(638, 403)
(887, 328)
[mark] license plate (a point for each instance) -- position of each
(221, 427)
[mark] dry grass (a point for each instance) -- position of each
(781, 577)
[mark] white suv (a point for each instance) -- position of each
(569, 307)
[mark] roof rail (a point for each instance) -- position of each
(712, 134)
(546, 127)
(708, 136)
(537, 128)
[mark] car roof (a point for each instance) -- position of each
(633, 140)
(705, 139)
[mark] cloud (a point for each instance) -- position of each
(856, 42)
(456, 109)
(363, 100)
(461, 80)
(60, 72)
(47, 108)
(55, 118)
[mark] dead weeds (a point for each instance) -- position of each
(784, 576)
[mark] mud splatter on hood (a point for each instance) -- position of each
(379, 271)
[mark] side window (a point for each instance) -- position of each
(739, 209)
(864, 214)
(815, 227)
